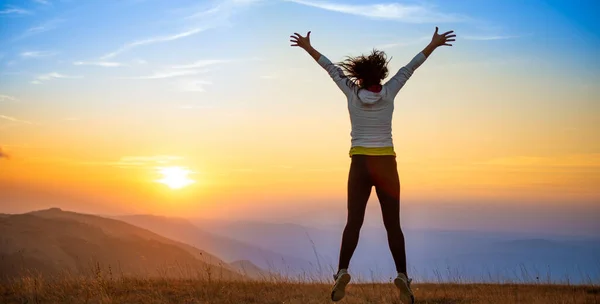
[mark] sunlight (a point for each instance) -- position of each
(175, 177)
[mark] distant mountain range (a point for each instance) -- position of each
(54, 241)
(228, 249)
(433, 255)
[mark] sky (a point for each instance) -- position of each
(99, 98)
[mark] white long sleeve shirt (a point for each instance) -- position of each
(371, 112)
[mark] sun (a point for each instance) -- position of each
(175, 177)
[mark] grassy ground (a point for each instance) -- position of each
(37, 290)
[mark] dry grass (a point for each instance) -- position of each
(34, 289)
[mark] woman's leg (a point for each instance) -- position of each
(387, 186)
(359, 190)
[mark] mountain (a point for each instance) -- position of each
(53, 242)
(287, 238)
(229, 249)
(432, 255)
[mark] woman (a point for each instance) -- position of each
(371, 105)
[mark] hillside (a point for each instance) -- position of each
(107, 290)
(54, 241)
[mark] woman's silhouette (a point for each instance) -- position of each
(371, 105)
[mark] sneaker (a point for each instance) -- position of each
(342, 278)
(403, 284)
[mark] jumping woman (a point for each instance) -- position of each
(373, 159)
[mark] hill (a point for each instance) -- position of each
(53, 241)
(105, 290)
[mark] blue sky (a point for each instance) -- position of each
(67, 38)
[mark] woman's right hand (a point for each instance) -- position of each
(303, 42)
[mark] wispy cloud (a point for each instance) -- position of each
(408, 42)
(123, 162)
(153, 40)
(197, 21)
(108, 64)
(13, 119)
(44, 2)
(54, 75)
(270, 76)
(201, 64)
(37, 54)
(3, 154)
(44, 27)
(8, 98)
(13, 10)
(224, 9)
(204, 107)
(192, 85)
(412, 13)
(168, 74)
(144, 160)
(140, 161)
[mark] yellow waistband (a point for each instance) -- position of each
(372, 151)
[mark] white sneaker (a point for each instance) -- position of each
(403, 284)
(342, 278)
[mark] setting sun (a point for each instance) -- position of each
(175, 177)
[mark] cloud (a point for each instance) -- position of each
(13, 10)
(123, 162)
(412, 13)
(3, 154)
(13, 119)
(44, 2)
(219, 15)
(168, 74)
(200, 64)
(205, 13)
(153, 40)
(54, 75)
(44, 27)
(37, 54)
(192, 85)
(109, 64)
(205, 107)
(223, 10)
(405, 43)
(270, 76)
(7, 98)
(142, 160)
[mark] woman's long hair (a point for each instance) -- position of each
(368, 70)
